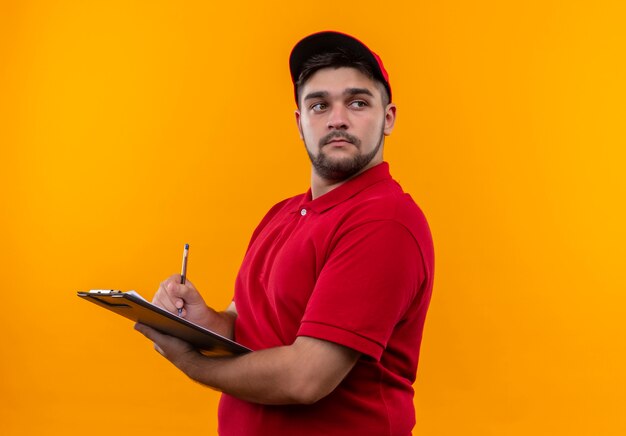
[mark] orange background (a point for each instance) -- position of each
(130, 128)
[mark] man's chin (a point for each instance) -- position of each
(337, 169)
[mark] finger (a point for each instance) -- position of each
(180, 296)
(166, 296)
(148, 332)
(169, 347)
(173, 295)
(161, 292)
(189, 283)
(187, 293)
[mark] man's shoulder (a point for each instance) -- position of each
(385, 200)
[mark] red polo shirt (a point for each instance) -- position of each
(354, 267)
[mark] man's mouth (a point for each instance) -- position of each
(339, 140)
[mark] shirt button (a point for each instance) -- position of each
(303, 212)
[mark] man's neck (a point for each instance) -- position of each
(320, 186)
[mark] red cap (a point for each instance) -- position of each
(329, 41)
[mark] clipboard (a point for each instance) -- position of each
(133, 306)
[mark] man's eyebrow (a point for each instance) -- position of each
(317, 94)
(348, 91)
(356, 91)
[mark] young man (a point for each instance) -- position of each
(334, 288)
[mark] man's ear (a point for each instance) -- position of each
(390, 119)
(297, 113)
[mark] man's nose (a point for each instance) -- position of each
(337, 118)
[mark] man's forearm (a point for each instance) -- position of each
(262, 377)
(301, 373)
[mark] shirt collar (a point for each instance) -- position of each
(346, 190)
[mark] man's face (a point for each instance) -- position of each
(342, 122)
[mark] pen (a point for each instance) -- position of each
(183, 273)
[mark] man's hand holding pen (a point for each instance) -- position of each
(172, 295)
(178, 295)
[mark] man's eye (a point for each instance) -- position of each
(317, 107)
(358, 104)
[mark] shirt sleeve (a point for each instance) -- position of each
(371, 276)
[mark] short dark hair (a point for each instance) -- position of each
(337, 59)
